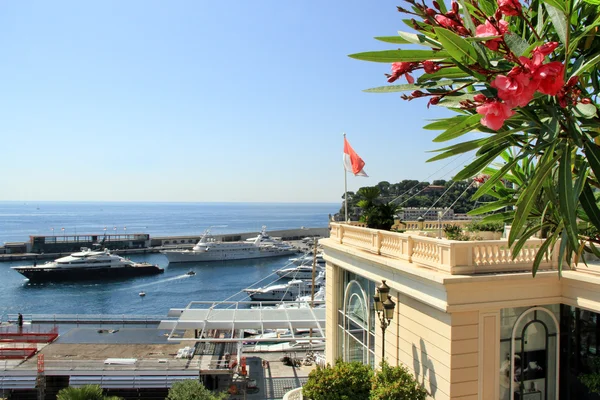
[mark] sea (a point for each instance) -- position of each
(214, 281)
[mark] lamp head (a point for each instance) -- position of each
(383, 290)
(378, 303)
(389, 306)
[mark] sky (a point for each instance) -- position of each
(202, 101)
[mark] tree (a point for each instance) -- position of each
(526, 77)
(395, 383)
(191, 389)
(87, 392)
(343, 381)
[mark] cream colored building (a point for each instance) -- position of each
(465, 312)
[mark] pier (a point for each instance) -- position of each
(55, 246)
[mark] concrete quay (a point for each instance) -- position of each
(53, 247)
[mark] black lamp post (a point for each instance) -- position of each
(384, 306)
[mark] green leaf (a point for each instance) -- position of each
(592, 153)
(559, 20)
(409, 87)
(515, 43)
(481, 162)
(450, 73)
(488, 6)
(566, 196)
(467, 17)
(390, 56)
(560, 4)
(467, 125)
(530, 194)
(457, 149)
(457, 47)
(392, 39)
(495, 178)
(594, 2)
(541, 253)
(419, 38)
(454, 100)
(588, 202)
(586, 66)
(490, 207)
(586, 111)
(443, 124)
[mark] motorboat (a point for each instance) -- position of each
(210, 249)
(142, 294)
(190, 273)
(87, 264)
(287, 291)
(298, 272)
(308, 259)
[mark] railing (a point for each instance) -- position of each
(294, 394)
(449, 256)
(427, 225)
(89, 318)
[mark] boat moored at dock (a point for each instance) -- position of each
(209, 249)
(87, 265)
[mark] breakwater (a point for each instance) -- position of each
(54, 246)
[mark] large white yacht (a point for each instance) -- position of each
(209, 249)
(287, 291)
(87, 264)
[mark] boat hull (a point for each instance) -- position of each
(40, 274)
(194, 256)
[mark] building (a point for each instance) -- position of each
(414, 213)
(465, 312)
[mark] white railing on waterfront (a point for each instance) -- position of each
(87, 318)
(449, 256)
(294, 394)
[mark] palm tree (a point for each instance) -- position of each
(87, 392)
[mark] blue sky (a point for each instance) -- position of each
(201, 101)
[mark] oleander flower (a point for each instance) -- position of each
(495, 113)
(510, 7)
(551, 78)
(516, 88)
(488, 29)
(446, 22)
(399, 69)
(430, 67)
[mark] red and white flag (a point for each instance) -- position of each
(352, 161)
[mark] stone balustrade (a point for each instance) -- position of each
(448, 256)
(294, 394)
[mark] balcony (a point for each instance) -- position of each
(442, 255)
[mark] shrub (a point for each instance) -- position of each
(454, 232)
(485, 226)
(191, 389)
(395, 383)
(343, 381)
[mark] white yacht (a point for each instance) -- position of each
(308, 259)
(299, 272)
(87, 264)
(209, 249)
(287, 291)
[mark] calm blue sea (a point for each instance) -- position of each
(213, 281)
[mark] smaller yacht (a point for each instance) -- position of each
(287, 291)
(308, 259)
(298, 272)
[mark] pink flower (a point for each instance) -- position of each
(430, 67)
(399, 69)
(495, 113)
(487, 29)
(546, 49)
(516, 89)
(445, 22)
(509, 7)
(551, 77)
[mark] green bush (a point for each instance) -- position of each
(343, 381)
(485, 226)
(454, 232)
(396, 383)
(86, 392)
(192, 389)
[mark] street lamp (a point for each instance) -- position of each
(384, 306)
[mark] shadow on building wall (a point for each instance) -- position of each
(423, 367)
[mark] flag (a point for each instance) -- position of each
(352, 162)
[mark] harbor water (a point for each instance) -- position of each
(214, 281)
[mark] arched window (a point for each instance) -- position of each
(355, 324)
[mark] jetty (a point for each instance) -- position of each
(45, 247)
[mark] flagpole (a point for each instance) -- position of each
(345, 190)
